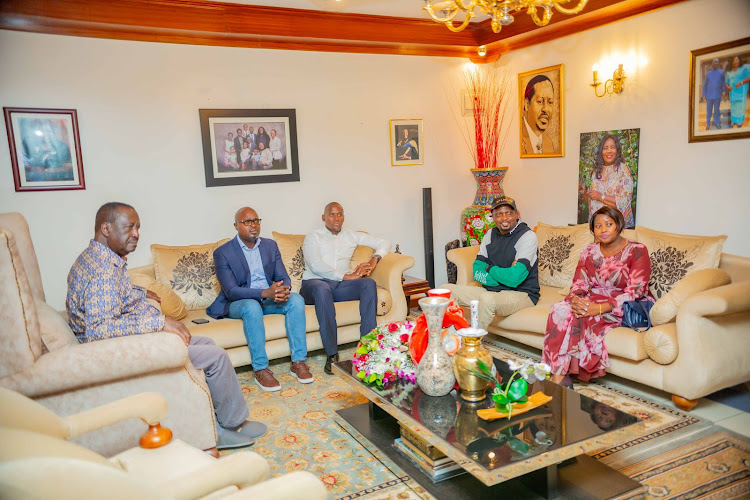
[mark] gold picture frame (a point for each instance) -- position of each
(733, 106)
(407, 142)
(545, 108)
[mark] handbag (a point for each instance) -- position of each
(635, 314)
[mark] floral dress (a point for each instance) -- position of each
(576, 345)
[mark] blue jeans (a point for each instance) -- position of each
(251, 312)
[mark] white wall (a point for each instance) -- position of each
(138, 114)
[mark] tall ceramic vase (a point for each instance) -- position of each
(476, 219)
(435, 371)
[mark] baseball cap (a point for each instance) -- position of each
(504, 200)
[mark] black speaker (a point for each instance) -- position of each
(429, 251)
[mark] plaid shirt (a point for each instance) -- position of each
(102, 302)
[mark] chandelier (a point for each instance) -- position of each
(498, 10)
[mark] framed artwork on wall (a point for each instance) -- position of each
(249, 146)
(45, 149)
(608, 173)
(719, 108)
(407, 142)
(541, 112)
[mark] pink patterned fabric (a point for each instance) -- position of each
(617, 182)
(576, 345)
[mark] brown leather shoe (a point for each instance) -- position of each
(265, 379)
(301, 372)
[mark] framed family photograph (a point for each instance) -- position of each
(407, 141)
(719, 82)
(249, 146)
(541, 112)
(608, 173)
(45, 149)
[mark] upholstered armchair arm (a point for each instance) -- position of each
(464, 258)
(99, 362)
(290, 486)
(242, 470)
(713, 332)
(21, 412)
(387, 274)
(665, 309)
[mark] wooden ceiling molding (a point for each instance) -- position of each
(201, 22)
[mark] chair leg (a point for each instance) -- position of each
(212, 452)
(684, 404)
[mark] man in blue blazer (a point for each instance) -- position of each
(254, 282)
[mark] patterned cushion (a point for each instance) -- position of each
(189, 271)
(56, 332)
(559, 251)
(290, 247)
(674, 256)
(171, 304)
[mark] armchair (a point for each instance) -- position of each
(42, 359)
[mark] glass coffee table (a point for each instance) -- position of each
(452, 453)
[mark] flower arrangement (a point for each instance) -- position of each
(382, 356)
(477, 226)
(514, 391)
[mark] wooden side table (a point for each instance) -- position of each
(414, 289)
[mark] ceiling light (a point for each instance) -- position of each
(498, 10)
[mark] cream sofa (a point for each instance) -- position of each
(228, 333)
(703, 349)
(42, 359)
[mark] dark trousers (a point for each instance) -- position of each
(323, 293)
(712, 108)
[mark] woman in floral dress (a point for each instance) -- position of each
(610, 272)
(611, 181)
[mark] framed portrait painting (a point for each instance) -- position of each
(45, 149)
(608, 173)
(719, 107)
(541, 112)
(249, 146)
(407, 142)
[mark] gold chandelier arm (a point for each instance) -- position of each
(446, 19)
(466, 6)
(531, 11)
(453, 28)
(575, 10)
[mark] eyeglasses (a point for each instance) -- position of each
(250, 222)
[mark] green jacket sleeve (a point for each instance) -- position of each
(509, 276)
(481, 274)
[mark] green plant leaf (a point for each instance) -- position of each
(522, 400)
(361, 374)
(362, 350)
(500, 399)
(483, 367)
(518, 389)
(518, 446)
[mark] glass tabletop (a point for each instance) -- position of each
(569, 419)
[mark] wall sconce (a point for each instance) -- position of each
(482, 50)
(613, 86)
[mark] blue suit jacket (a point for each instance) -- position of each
(234, 274)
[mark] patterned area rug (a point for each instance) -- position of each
(304, 436)
(715, 467)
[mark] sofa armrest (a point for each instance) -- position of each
(464, 258)
(99, 362)
(665, 309)
(713, 333)
(147, 270)
(151, 407)
(290, 486)
(242, 470)
(387, 274)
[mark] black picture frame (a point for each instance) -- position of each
(225, 166)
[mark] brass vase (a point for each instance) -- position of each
(466, 359)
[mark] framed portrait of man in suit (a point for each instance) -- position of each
(541, 113)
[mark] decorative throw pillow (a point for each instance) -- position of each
(559, 251)
(55, 330)
(290, 247)
(189, 271)
(361, 254)
(674, 256)
(171, 304)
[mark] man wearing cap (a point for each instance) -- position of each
(506, 266)
(713, 89)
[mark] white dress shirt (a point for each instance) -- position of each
(536, 140)
(327, 256)
(275, 146)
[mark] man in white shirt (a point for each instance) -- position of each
(327, 279)
(275, 146)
